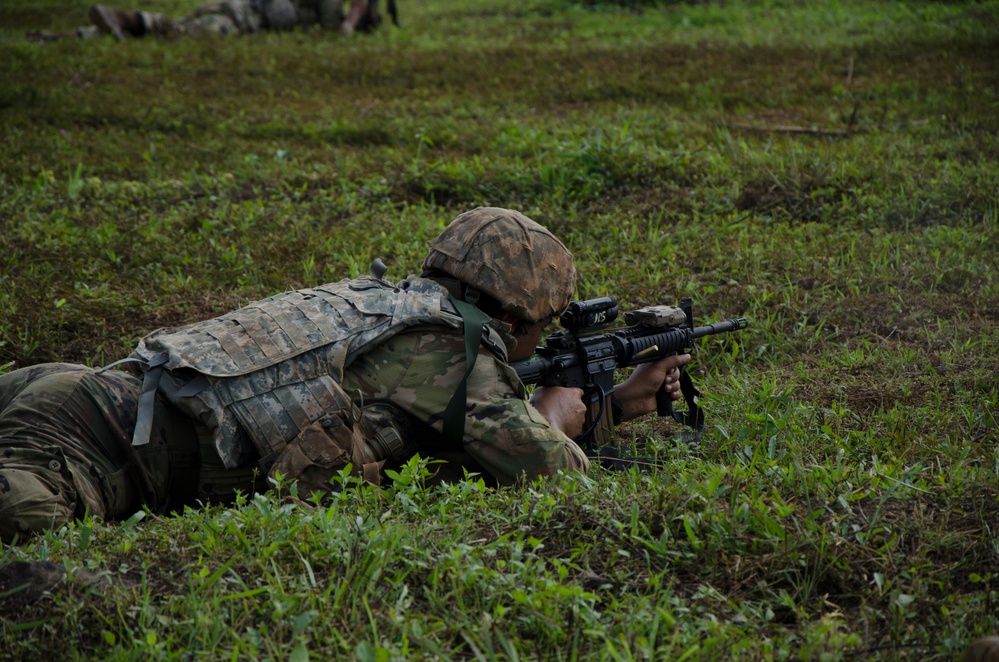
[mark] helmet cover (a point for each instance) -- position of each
(508, 256)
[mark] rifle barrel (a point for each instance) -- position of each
(721, 327)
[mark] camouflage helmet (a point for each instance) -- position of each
(509, 257)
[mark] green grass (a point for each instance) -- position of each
(843, 504)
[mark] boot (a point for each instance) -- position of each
(117, 22)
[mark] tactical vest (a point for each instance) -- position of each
(270, 370)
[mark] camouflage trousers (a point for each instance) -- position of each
(66, 450)
(222, 17)
(246, 16)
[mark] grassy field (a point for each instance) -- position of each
(829, 170)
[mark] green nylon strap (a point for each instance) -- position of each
(454, 415)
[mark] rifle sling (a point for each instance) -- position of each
(694, 416)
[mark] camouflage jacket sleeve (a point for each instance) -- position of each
(419, 372)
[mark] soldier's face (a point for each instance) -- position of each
(528, 336)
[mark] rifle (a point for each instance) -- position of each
(585, 355)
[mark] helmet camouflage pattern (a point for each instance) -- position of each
(508, 256)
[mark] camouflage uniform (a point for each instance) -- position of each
(247, 16)
(265, 389)
(65, 449)
(67, 432)
(505, 436)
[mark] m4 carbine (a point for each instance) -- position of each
(586, 353)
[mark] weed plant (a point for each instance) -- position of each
(827, 169)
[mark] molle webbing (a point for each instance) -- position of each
(275, 365)
(260, 334)
(274, 418)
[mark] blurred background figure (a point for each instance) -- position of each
(234, 17)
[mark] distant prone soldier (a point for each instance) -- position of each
(233, 17)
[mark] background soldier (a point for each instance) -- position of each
(233, 16)
(362, 372)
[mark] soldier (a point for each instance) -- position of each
(361, 372)
(234, 16)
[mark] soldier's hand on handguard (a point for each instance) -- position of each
(637, 394)
(563, 407)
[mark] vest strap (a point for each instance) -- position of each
(144, 414)
(454, 415)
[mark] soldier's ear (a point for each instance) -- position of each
(521, 327)
(517, 324)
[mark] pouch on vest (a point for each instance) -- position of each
(321, 451)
